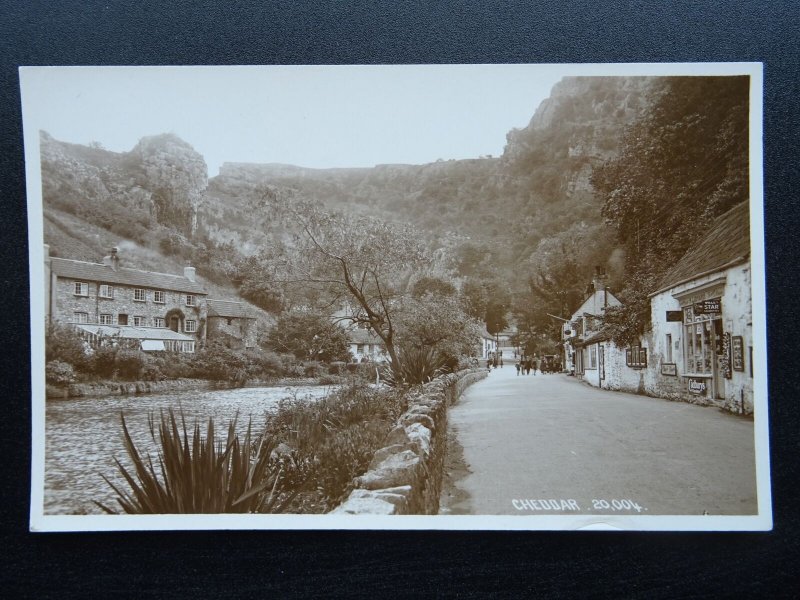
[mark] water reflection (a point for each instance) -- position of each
(83, 436)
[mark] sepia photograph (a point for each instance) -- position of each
(494, 297)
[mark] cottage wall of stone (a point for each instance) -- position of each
(243, 330)
(67, 303)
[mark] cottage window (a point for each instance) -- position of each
(190, 300)
(139, 295)
(158, 322)
(81, 288)
(106, 291)
(80, 317)
(636, 357)
(190, 326)
(138, 321)
(159, 296)
(106, 319)
(668, 353)
(187, 347)
(593, 356)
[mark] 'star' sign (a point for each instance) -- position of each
(707, 307)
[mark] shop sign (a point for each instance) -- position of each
(725, 357)
(669, 369)
(738, 353)
(707, 307)
(697, 387)
(674, 316)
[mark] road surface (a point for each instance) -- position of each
(551, 444)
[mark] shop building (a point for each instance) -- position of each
(701, 334)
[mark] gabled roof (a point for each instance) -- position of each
(363, 336)
(228, 308)
(727, 243)
(596, 303)
(87, 271)
(138, 333)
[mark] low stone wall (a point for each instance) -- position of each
(405, 476)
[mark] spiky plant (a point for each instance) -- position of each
(415, 366)
(203, 475)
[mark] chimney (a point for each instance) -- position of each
(112, 260)
(188, 272)
(599, 279)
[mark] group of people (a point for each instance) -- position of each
(526, 364)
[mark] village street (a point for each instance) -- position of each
(550, 444)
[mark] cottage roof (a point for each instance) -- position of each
(228, 308)
(363, 336)
(596, 303)
(87, 271)
(599, 336)
(726, 243)
(138, 333)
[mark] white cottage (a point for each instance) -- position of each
(701, 337)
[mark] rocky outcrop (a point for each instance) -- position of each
(405, 476)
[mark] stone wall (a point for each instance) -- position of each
(405, 476)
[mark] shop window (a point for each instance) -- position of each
(701, 335)
(636, 357)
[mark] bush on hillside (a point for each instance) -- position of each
(58, 372)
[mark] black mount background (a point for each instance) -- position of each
(464, 564)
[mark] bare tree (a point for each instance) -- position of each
(360, 264)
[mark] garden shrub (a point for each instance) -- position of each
(104, 363)
(58, 372)
(129, 363)
(64, 344)
(337, 367)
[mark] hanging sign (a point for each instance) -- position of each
(674, 316)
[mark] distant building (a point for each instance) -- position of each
(366, 346)
(232, 321)
(583, 330)
(149, 310)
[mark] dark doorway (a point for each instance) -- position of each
(174, 323)
(122, 319)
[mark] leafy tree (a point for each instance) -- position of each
(684, 162)
(309, 336)
(433, 286)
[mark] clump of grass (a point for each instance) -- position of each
(339, 434)
(199, 474)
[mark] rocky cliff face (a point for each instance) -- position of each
(160, 181)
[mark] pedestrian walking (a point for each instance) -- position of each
(518, 368)
(537, 365)
(527, 366)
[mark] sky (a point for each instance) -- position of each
(312, 116)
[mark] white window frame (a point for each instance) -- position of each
(106, 291)
(190, 300)
(136, 292)
(80, 288)
(161, 320)
(190, 326)
(187, 347)
(80, 317)
(106, 319)
(592, 356)
(160, 293)
(139, 321)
